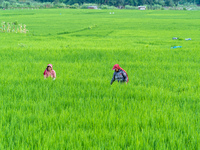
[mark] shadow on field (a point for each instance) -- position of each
(17, 14)
(66, 32)
(94, 13)
(83, 29)
(93, 35)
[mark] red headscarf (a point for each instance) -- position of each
(116, 66)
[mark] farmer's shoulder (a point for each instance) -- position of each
(45, 72)
(121, 71)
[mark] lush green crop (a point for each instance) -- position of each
(158, 109)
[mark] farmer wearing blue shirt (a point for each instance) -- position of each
(120, 75)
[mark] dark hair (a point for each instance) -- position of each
(47, 67)
(118, 70)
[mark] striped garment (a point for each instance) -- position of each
(120, 76)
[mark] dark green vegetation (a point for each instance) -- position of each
(158, 109)
(103, 4)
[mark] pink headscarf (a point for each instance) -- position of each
(49, 65)
(116, 66)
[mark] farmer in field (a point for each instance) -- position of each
(49, 72)
(120, 75)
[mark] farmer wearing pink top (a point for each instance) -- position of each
(49, 72)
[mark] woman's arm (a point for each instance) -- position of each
(45, 74)
(54, 75)
(125, 76)
(113, 79)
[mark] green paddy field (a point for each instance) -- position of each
(158, 109)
